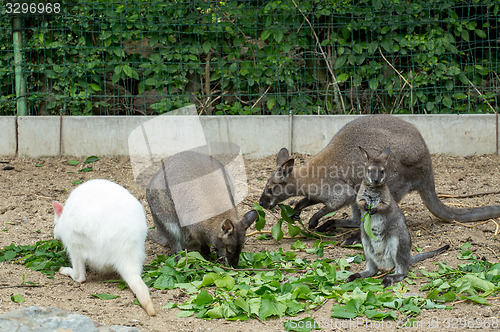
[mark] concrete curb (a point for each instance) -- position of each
(258, 136)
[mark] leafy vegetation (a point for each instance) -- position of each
(44, 256)
(256, 57)
(286, 283)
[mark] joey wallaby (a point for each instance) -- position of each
(205, 214)
(332, 176)
(392, 246)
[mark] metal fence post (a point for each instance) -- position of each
(17, 37)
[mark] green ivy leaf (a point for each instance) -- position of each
(104, 296)
(367, 225)
(207, 46)
(261, 219)
(226, 282)
(480, 33)
(185, 313)
(293, 230)
(447, 102)
(271, 307)
(276, 231)
(73, 162)
(18, 298)
(379, 315)
(347, 311)
(91, 159)
(298, 245)
(270, 102)
(373, 84)
(204, 298)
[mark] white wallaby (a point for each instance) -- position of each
(104, 226)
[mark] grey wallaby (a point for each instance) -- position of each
(221, 229)
(392, 246)
(333, 176)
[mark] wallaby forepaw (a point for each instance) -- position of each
(353, 277)
(353, 239)
(387, 282)
(70, 272)
(296, 217)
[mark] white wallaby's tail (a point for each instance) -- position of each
(142, 293)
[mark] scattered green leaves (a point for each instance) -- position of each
(44, 256)
(280, 283)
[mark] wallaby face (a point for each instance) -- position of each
(391, 247)
(232, 236)
(409, 168)
(278, 187)
(375, 168)
(205, 216)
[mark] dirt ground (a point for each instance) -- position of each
(26, 216)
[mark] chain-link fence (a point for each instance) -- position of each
(249, 57)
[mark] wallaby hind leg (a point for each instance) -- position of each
(393, 278)
(400, 272)
(141, 291)
(370, 271)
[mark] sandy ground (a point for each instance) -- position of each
(26, 216)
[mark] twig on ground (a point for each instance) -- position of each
(493, 251)
(21, 286)
(321, 305)
(469, 195)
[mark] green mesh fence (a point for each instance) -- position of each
(137, 57)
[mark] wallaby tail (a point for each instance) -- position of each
(437, 208)
(141, 292)
(424, 255)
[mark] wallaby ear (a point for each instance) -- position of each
(227, 228)
(58, 208)
(367, 156)
(287, 167)
(385, 153)
(249, 218)
(283, 157)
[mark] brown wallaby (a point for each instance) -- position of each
(192, 205)
(392, 246)
(333, 176)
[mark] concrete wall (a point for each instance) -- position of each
(8, 141)
(258, 136)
